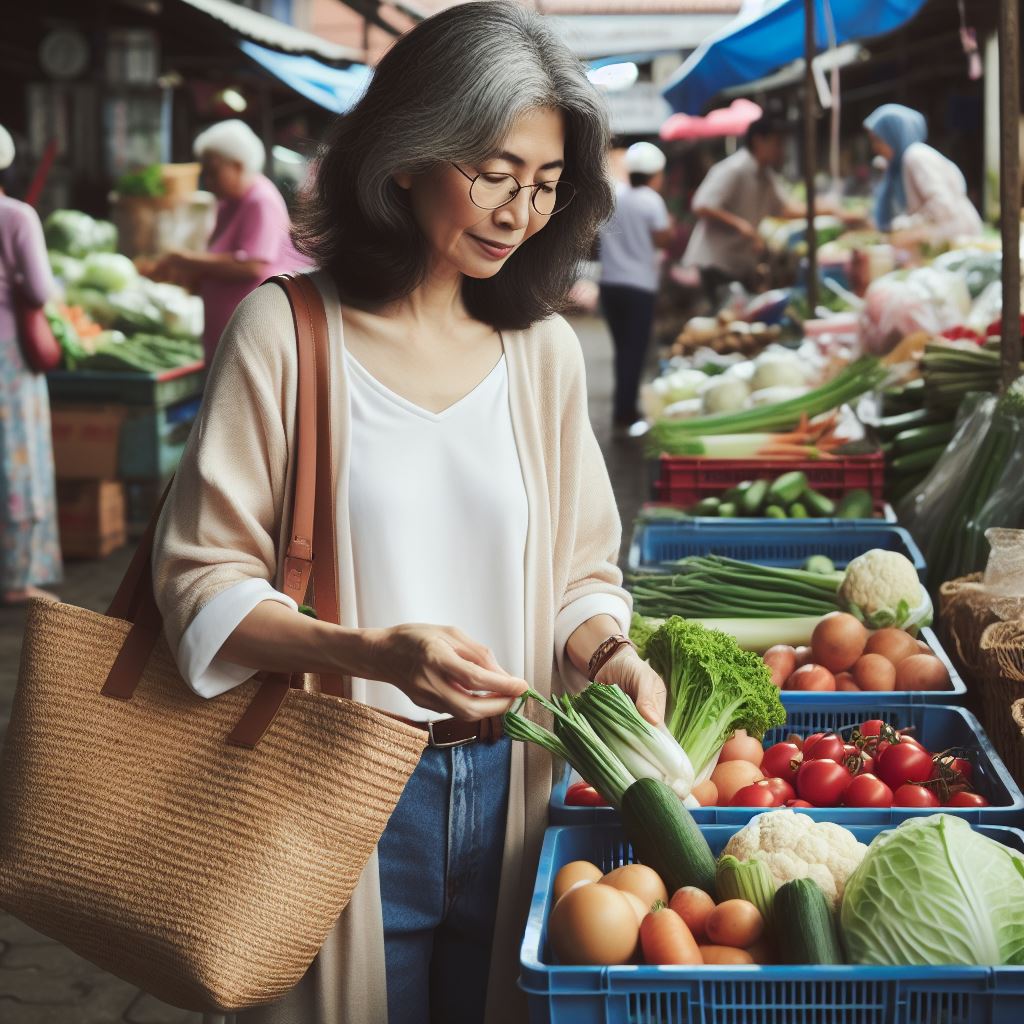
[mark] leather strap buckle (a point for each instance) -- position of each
(445, 744)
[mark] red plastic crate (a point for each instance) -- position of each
(685, 480)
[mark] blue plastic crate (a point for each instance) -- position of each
(938, 727)
(752, 994)
(768, 541)
(894, 698)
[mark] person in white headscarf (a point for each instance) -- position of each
(640, 226)
(30, 554)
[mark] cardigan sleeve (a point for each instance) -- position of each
(588, 519)
(939, 188)
(220, 525)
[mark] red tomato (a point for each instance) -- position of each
(904, 762)
(849, 750)
(778, 759)
(809, 740)
(965, 799)
(872, 727)
(798, 803)
(964, 767)
(780, 787)
(582, 794)
(822, 782)
(828, 747)
(868, 791)
(911, 795)
(757, 794)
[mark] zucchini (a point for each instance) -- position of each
(737, 492)
(666, 838)
(893, 425)
(728, 510)
(775, 512)
(798, 510)
(753, 497)
(818, 505)
(856, 504)
(787, 488)
(706, 507)
(923, 437)
(923, 458)
(806, 930)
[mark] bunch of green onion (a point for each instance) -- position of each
(951, 371)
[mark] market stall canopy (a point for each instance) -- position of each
(734, 119)
(270, 33)
(334, 89)
(754, 46)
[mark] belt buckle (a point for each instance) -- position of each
(437, 744)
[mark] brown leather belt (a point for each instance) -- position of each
(453, 732)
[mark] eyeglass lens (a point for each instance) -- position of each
(493, 190)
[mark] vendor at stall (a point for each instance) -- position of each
(251, 236)
(735, 196)
(923, 196)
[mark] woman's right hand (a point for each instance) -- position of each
(439, 668)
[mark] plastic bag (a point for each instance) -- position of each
(904, 302)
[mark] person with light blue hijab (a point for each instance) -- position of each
(923, 195)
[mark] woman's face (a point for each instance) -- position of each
(879, 147)
(474, 241)
(225, 178)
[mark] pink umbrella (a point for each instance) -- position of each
(734, 119)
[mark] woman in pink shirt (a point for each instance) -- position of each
(251, 238)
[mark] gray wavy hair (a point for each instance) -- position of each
(451, 90)
(234, 140)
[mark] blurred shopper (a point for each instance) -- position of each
(29, 543)
(251, 238)
(923, 196)
(737, 194)
(639, 227)
(478, 533)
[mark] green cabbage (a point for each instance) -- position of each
(109, 272)
(933, 891)
(77, 234)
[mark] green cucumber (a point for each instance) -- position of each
(818, 505)
(753, 497)
(805, 930)
(924, 458)
(775, 512)
(856, 504)
(665, 837)
(923, 437)
(787, 488)
(797, 510)
(706, 507)
(893, 425)
(735, 493)
(728, 510)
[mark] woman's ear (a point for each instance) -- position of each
(403, 179)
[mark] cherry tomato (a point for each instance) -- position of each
(911, 795)
(964, 767)
(780, 787)
(822, 782)
(777, 761)
(799, 803)
(828, 747)
(904, 762)
(965, 799)
(867, 791)
(850, 750)
(757, 794)
(872, 727)
(582, 794)
(809, 741)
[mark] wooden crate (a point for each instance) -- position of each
(91, 516)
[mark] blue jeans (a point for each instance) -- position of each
(440, 866)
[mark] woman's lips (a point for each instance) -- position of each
(493, 250)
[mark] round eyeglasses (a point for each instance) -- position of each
(490, 191)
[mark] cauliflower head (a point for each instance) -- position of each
(793, 845)
(882, 589)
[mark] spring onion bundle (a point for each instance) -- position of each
(715, 587)
(951, 370)
(675, 437)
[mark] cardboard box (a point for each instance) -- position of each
(91, 516)
(86, 440)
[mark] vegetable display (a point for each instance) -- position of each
(934, 891)
(787, 496)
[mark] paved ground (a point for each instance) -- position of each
(41, 982)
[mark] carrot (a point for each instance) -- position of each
(665, 939)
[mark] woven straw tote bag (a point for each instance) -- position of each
(199, 849)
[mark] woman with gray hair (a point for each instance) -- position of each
(478, 532)
(250, 240)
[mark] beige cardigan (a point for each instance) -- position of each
(223, 523)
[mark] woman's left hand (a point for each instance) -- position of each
(639, 681)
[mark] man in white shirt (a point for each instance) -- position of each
(639, 227)
(732, 200)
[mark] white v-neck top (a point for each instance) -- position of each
(438, 519)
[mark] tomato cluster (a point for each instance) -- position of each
(876, 767)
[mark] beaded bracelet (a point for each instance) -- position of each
(608, 649)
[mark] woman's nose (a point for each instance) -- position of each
(516, 213)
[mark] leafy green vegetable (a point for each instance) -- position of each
(76, 234)
(934, 891)
(108, 272)
(147, 181)
(714, 688)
